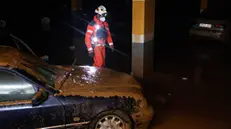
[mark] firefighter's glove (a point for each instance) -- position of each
(91, 54)
(112, 48)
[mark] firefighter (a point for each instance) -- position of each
(97, 35)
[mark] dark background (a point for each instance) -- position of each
(173, 20)
(191, 78)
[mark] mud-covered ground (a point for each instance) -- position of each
(203, 106)
(196, 95)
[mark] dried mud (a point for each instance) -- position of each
(10, 103)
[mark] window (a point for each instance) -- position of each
(14, 87)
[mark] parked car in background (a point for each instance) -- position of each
(213, 24)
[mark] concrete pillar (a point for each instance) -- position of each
(204, 4)
(76, 5)
(143, 12)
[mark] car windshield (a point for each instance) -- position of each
(42, 71)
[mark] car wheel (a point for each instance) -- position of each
(111, 120)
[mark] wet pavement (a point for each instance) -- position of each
(181, 104)
(193, 96)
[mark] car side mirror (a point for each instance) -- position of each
(44, 58)
(39, 97)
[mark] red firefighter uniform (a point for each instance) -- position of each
(97, 35)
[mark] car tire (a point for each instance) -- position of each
(118, 120)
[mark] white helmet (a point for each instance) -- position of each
(101, 10)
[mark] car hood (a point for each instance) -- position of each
(92, 81)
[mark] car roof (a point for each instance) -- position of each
(9, 56)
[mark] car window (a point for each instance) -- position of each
(14, 87)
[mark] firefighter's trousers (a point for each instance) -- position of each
(99, 56)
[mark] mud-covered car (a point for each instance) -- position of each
(37, 95)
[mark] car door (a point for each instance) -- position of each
(16, 110)
(53, 113)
